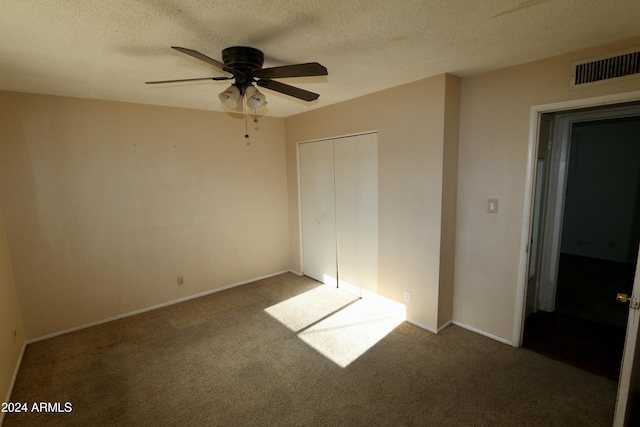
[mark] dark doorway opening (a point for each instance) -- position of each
(600, 237)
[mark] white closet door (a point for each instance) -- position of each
(318, 211)
(356, 195)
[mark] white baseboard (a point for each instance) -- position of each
(420, 325)
(430, 329)
(445, 326)
(297, 273)
(481, 332)
(13, 380)
(144, 310)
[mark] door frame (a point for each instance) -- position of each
(554, 199)
(532, 156)
(631, 356)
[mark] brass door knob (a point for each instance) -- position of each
(622, 297)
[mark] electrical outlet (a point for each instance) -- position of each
(407, 296)
(180, 280)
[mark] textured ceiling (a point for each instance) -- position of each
(108, 49)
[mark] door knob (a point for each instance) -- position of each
(622, 297)
(635, 302)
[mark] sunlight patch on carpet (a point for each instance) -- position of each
(337, 324)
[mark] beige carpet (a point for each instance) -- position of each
(273, 353)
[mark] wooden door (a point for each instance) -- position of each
(628, 402)
(356, 195)
(317, 198)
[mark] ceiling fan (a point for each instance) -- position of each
(245, 65)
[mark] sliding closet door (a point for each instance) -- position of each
(356, 195)
(317, 199)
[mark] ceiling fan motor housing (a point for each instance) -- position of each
(243, 62)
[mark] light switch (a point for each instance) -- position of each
(492, 206)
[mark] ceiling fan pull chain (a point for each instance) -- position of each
(244, 111)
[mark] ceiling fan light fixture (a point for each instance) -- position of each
(245, 64)
(255, 98)
(231, 96)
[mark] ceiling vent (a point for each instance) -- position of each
(606, 68)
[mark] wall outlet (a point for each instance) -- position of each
(407, 296)
(180, 280)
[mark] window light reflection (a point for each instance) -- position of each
(337, 324)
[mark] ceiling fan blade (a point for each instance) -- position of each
(296, 92)
(296, 70)
(202, 57)
(188, 80)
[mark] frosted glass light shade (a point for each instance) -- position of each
(230, 97)
(255, 98)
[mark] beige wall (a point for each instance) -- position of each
(106, 203)
(494, 139)
(410, 121)
(10, 320)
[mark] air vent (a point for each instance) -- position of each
(614, 66)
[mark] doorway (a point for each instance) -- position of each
(585, 236)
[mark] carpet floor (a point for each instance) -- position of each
(289, 351)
